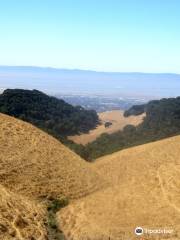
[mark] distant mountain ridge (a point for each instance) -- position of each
(54, 69)
(54, 80)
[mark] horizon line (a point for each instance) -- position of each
(87, 70)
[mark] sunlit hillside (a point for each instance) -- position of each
(37, 165)
(144, 191)
(109, 198)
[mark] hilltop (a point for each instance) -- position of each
(143, 191)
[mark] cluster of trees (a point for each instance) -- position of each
(135, 110)
(53, 115)
(162, 120)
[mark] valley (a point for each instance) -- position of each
(132, 181)
(115, 118)
(106, 199)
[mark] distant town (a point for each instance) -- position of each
(101, 103)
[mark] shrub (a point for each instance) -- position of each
(56, 204)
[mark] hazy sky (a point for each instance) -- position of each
(107, 35)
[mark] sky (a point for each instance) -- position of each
(102, 35)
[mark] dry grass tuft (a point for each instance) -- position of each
(20, 219)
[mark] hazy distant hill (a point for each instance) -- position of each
(51, 80)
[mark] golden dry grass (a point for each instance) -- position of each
(118, 121)
(35, 164)
(144, 191)
(20, 219)
(141, 187)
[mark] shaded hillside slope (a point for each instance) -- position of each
(19, 218)
(144, 191)
(37, 165)
(162, 120)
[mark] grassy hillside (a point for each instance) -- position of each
(39, 177)
(162, 120)
(144, 183)
(37, 165)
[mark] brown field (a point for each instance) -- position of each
(118, 123)
(139, 186)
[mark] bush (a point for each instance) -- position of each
(56, 204)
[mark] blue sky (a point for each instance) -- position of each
(107, 35)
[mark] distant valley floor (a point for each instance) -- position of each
(118, 121)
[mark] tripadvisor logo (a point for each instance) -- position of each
(139, 231)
